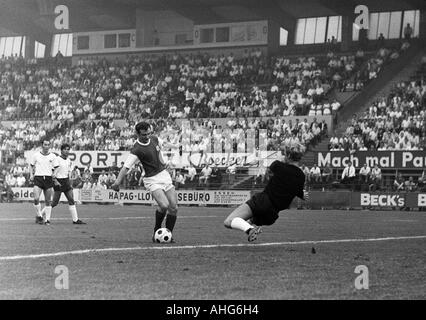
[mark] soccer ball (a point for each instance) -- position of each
(163, 235)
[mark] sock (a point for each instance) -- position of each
(38, 209)
(48, 210)
(73, 211)
(170, 221)
(240, 224)
(159, 217)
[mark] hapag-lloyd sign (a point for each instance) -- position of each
(384, 159)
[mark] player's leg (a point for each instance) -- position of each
(48, 195)
(163, 204)
(72, 208)
(56, 197)
(37, 192)
(238, 220)
(171, 195)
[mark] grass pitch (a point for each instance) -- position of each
(112, 257)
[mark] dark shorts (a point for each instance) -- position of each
(264, 213)
(64, 187)
(43, 182)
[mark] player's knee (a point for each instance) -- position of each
(54, 204)
(71, 202)
(173, 210)
(163, 207)
(36, 202)
(227, 223)
(48, 203)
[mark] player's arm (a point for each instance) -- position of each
(55, 172)
(31, 168)
(130, 161)
(31, 171)
(54, 176)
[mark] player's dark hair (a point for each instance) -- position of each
(65, 146)
(142, 126)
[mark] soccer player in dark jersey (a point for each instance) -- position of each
(157, 180)
(286, 183)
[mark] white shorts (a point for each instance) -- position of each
(161, 180)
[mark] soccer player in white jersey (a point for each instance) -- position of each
(62, 169)
(41, 170)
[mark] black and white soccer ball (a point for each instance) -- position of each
(163, 235)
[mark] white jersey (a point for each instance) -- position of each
(43, 164)
(63, 167)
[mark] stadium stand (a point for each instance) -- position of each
(83, 101)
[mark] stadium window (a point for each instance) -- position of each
(416, 24)
(82, 42)
(62, 42)
(374, 26)
(2, 45)
(22, 48)
(69, 45)
(39, 50)
(395, 24)
(320, 30)
(124, 40)
(222, 34)
(300, 31)
(8, 46)
(391, 24)
(55, 44)
(310, 31)
(283, 37)
(334, 26)
(12, 46)
(413, 18)
(384, 19)
(339, 30)
(110, 41)
(355, 32)
(206, 35)
(17, 45)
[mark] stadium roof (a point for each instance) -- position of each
(35, 17)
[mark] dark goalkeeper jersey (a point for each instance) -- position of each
(149, 156)
(286, 183)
